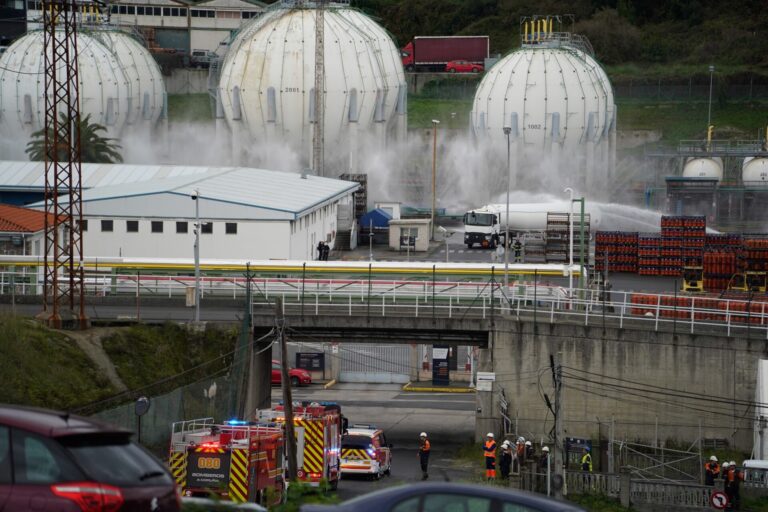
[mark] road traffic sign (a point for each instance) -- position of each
(719, 500)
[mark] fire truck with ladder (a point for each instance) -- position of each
(318, 428)
(236, 460)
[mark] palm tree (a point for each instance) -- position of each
(95, 148)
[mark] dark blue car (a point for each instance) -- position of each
(447, 497)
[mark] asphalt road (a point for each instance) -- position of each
(448, 418)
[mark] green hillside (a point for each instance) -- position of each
(671, 33)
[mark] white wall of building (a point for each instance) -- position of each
(263, 239)
(307, 231)
(254, 239)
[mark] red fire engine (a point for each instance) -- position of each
(318, 429)
(236, 460)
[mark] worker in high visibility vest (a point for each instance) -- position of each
(586, 461)
(489, 451)
(711, 471)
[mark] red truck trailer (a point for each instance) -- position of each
(432, 53)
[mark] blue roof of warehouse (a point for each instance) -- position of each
(243, 186)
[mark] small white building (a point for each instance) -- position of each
(245, 213)
(409, 234)
(170, 24)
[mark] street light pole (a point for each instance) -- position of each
(435, 122)
(709, 111)
(198, 227)
(570, 242)
(507, 245)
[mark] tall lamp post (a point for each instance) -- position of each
(435, 122)
(570, 242)
(507, 245)
(198, 227)
(709, 110)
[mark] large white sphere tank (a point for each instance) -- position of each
(104, 89)
(144, 82)
(559, 105)
(268, 77)
(754, 170)
(711, 168)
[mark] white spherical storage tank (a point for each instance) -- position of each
(266, 88)
(114, 73)
(754, 171)
(144, 82)
(557, 104)
(711, 168)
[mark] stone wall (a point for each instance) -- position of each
(721, 368)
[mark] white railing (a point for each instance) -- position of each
(452, 299)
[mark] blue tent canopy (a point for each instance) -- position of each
(379, 217)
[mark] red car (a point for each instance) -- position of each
(51, 460)
(298, 377)
(463, 66)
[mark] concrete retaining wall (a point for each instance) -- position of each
(722, 368)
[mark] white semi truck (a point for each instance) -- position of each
(480, 224)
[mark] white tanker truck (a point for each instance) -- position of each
(480, 224)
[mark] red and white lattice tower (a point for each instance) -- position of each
(63, 289)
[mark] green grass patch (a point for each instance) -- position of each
(452, 114)
(189, 108)
(46, 368)
(145, 354)
(597, 503)
(679, 121)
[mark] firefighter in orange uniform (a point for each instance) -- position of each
(489, 451)
(424, 448)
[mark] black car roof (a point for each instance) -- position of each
(53, 423)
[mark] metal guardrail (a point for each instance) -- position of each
(671, 496)
(434, 298)
(592, 483)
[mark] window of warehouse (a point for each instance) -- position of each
(140, 10)
(166, 11)
(107, 226)
(231, 228)
(83, 225)
(182, 227)
(132, 226)
(157, 226)
(207, 228)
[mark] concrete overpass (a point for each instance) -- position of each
(653, 367)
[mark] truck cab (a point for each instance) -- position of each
(407, 54)
(479, 228)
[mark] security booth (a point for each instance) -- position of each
(409, 234)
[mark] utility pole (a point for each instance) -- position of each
(435, 122)
(319, 113)
(198, 227)
(557, 378)
(287, 398)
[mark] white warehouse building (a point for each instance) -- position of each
(245, 213)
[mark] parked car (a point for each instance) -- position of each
(56, 461)
(463, 66)
(298, 377)
(202, 58)
(447, 497)
(364, 450)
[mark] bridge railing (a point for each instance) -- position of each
(431, 297)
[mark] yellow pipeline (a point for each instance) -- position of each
(550, 25)
(710, 129)
(526, 31)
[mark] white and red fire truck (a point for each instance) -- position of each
(318, 429)
(235, 460)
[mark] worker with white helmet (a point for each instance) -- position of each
(489, 452)
(732, 478)
(506, 459)
(423, 455)
(711, 471)
(528, 450)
